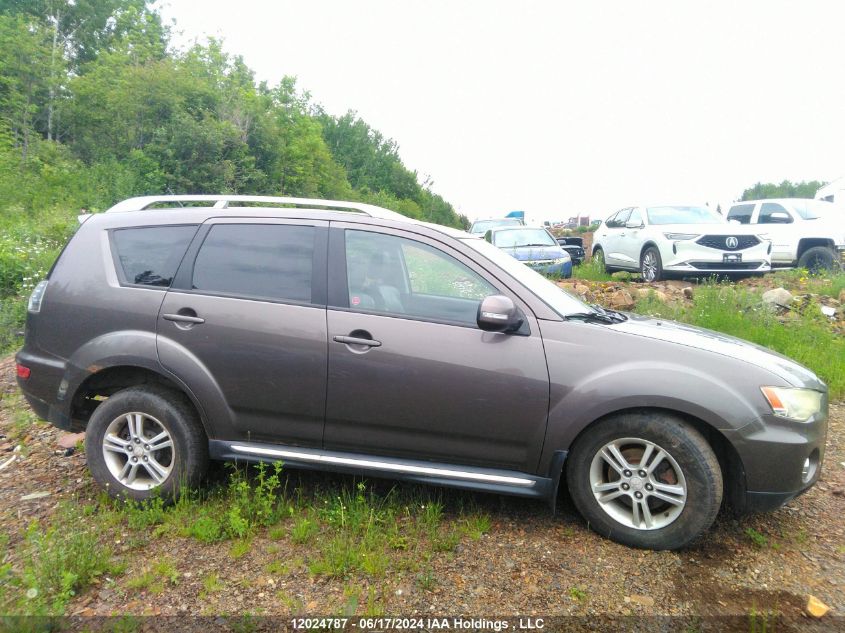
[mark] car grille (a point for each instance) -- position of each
(726, 265)
(720, 242)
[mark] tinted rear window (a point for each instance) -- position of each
(149, 256)
(272, 261)
(741, 213)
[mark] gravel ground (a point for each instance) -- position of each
(528, 563)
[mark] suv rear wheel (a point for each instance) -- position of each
(146, 441)
(645, 480)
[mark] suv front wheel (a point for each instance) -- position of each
(145, 441)
(645, 480)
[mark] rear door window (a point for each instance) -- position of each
(149, 256)
(257, 261)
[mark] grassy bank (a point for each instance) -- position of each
(29, 244)
(356, 532)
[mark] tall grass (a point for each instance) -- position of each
(591, 271)
(805, 335)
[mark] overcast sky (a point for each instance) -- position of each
(559, 108)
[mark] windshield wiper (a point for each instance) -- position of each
(600, 314)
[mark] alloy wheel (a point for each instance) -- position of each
(138, 451)
(638, 483)
(649, 266)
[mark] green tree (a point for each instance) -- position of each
(24, 67)
(785, 189)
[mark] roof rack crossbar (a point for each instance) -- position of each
(222, 202)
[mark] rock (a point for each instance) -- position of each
(842, 296)
(651, 292)
(646, 601)
(687, 292)
(581, 289)
(35, 495)
(828, 311)
(778, 297)
(816, 607)
(621, 300)
(70, 440)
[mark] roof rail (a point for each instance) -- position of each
(223, 201)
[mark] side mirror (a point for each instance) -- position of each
(497, 313)
(488, 236)
(780, 217)
(634, 225)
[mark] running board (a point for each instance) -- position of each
(468, 477)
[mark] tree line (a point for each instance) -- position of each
(96, 106)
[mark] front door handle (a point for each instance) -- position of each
(183, 318)
(354, 340)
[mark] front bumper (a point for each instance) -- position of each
(563, 269)
(691, 258)
(576, 254)
(781, 460)
(699, 267)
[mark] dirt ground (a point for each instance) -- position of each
(528, 563)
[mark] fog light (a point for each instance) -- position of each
(810, 467)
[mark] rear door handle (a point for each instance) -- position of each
(182, 318)
(354, 340)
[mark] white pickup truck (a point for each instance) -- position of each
(805, 233)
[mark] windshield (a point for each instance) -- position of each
(482, 226)
(512, 238)
(553, 295)
(683, 215)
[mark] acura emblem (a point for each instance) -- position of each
(731, 242)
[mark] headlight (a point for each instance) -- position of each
(561, 260)
(680, 236)
(795, 404)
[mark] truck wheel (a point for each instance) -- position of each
(145, 441)
(646, 480)
(818, 259)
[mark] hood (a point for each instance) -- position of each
(534, 253)
(710, 229)
(718, 343)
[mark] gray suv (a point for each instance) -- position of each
(346, 337)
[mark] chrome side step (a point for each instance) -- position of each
(470, 477)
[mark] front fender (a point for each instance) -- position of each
(591, 378)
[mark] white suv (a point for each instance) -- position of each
(680, 239)
(805, 233)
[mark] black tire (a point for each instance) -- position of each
(166, 410)
(598, 255)
(819, 259)
(689, 450)
(657, 269)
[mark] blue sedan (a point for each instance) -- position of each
(533, 246)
